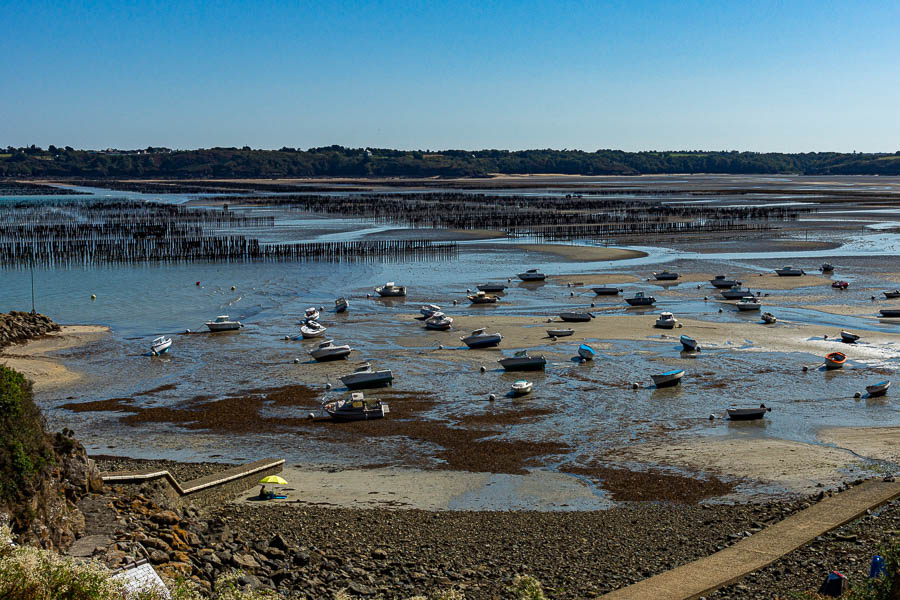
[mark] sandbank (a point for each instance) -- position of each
(788, 465)
(582, 253)
(589, 279)
(880, 443)
(32, 360)
(433, 490)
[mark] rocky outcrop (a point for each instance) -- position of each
(17, 327)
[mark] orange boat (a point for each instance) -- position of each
(835, 360)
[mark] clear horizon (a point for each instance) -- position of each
(771, 77)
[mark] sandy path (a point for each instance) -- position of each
(434, 490)
(32, 360)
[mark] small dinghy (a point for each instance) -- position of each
(769, 318)
(849, 338)
(835, 360)
(480, 339)
(640, 299)
(311, 313)
(160, 345)
(576, 317)
(483, 298)
(520, 361)
(439, 322)
(790, 272)
(429, 310)
(312, 329)
(390, 290)
(669, 378)
(892, 294)
(721, 282)
(357, 408)
(666, 320)
(586, 352)
(364, 377)
(879, 389)
(665, 276)
(341, 305)
(747, 414)
(689, 344)
(890, 313)
(827, 267)
(735, 292)
(521, 387)
(531, 275)
(840, 285)
(748, 303)
(606, 290)
(560, 332)
(491, 287)
(327, 351)
(223, 323)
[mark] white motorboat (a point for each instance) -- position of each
(521, 387)
(341, 305)
(390, 289)
(311, 314)
(666, 320)
(429, 310)
(357, 408)
(669, 378)
(748, 303)
(480, 339)
(327, 350)
(160, 345)
(365, 377)
(769, 318)
(222, 323)
(483, 298)
(790, 272)
(531, 275)
(439, 321)
(560, 332)
(520, 361)
(312, 329)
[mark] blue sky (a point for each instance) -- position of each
(765, 76)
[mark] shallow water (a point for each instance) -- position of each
(594, 408)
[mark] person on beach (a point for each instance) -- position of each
(262, 493)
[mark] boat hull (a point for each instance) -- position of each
(666, 276)
(640, 301)
(607, 291)
(746, 414)
(520, 364)
(332, 355)
(729, 295)
(667, 379)
(368, 380)
(835, 360)
(490, 287)
(586, 352)
(485, 341)
(724, 283)
(560, 332)
(576, 317)
(689, 343)
(879, 389)
(219, 327)
(890, 313)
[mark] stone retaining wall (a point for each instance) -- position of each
(204, 492)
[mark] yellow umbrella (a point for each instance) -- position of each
(273, 479)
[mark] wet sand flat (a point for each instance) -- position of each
(793, 466)
(47, 372)
(881, 443)
(582, 253)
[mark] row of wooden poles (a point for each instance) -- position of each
(515, 212)
(215, 248)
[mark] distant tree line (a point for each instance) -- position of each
(338, 161)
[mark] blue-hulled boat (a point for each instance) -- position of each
(668, 378)
(879, 389)
(586, 352)
(689, 343)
